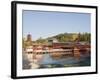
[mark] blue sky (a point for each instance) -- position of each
(44, 24)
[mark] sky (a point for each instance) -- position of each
(46, 23)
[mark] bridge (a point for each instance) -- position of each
(61, 50)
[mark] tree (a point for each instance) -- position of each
(40, 40)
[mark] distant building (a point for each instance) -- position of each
(29, 37)
(28, 41)
(53, 40)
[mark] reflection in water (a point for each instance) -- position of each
(48, 62)
(64, 62)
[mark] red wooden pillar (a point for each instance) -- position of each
(76, 52)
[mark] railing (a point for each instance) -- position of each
(70, 50)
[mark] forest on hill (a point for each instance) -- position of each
(63, 37)
(67, 37)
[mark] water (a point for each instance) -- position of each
(48, 62)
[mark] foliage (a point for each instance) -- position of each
(63, 37)
(67, 37)
(40, 40)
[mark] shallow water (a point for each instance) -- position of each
(48, 62)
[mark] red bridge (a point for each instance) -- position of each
(62, 49)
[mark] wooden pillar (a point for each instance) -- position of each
(76, 53)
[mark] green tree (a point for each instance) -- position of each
(40, 40)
